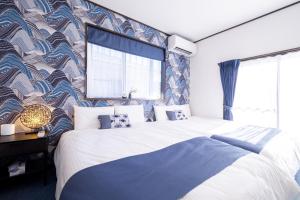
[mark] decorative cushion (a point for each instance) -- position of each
(86, 117)
(176, 115)
(114, 121)
(160, 111)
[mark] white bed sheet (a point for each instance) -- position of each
(249, 178)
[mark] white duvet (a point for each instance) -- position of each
(252, 177)
(281, 149)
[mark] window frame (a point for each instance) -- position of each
(280, 67)
(162, 76)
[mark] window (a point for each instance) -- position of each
(289, 93)
(113, 74)
(118, 65)
(255, 99)
(267, 92)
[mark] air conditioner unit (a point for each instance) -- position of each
(181, 46)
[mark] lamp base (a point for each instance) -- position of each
(41, 134)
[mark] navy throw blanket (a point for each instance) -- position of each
(167, 174)
(238, 143)
(250, 132)
(297, 177)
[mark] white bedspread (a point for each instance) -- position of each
(251, 177)
(282, 149)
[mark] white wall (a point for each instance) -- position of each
(276, 32)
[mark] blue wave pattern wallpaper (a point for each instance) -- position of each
(42, 58)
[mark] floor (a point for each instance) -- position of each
(29, 188)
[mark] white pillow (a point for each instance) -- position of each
(161, 115)
(160, 112)
(135, 112)
(87, 117)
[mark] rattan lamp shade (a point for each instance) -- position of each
(35, 116)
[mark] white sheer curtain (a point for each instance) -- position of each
(112, 74)
(256, 93)
(155, 84)
(289, 101)
(143, 76)
(105, 72)
(268, 92)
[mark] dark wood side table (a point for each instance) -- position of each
(23, 144)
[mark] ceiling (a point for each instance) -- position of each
(193, 19)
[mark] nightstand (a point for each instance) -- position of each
(22, 145)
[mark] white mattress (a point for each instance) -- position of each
(260, 178)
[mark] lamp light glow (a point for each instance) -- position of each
(35, 116)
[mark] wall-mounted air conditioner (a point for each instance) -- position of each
(181, 46)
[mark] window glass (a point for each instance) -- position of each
(267, 92)
(256, 93)
(113, 74)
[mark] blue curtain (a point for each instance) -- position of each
(122, 43)
(229, 72)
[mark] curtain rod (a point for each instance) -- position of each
(271, 54)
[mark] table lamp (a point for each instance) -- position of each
(35, 117)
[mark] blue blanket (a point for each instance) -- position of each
(297, 177)
(166, 174)
(264, 135)
(238, 143)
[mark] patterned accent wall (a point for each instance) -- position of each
(42, 58)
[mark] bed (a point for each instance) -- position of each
(267, 175)
(280, 147)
